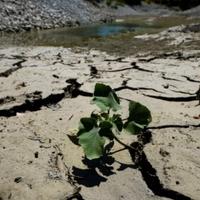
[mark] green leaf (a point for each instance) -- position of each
(105, 115)
(139, 113)
(139, 117)
(133, 127)
(106, 133)
(95, 116)
(106, 129)
(105, 98)
(86, 124)
(92, 143)
(117, 121)
(105, 125)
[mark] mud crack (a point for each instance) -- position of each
(71, 91)
(174, 99)
(133, 66)
(148, 172)
(169, 78)
(126, 87)
(175, 55)
(12, 70)
(33, 105)
(119, 59)
(191, 80)
(61, 171)
(175, 126)
(149, 175)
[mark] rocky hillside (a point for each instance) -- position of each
(28, 14)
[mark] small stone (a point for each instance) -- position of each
(163, 152)
(36, 154)
(166, 86)
(18, 180)
(177, 182)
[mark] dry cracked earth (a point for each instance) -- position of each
(44, 92)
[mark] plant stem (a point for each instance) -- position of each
(125, 119)
(111, 153)
(123, 144)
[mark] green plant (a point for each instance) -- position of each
(182, 4)
(98, 132)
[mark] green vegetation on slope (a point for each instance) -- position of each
(182, 4)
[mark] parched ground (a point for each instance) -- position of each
(41, 103)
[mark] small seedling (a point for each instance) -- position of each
(98, 132)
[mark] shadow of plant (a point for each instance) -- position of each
(99, 169)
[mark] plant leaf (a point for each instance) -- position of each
(105, 98)
(95, 116)
(92, 143)
(133, 127)
(117, 121)
(139, 113)
(86, 124)
(139, 117)
(106, 129)
(105, 125)
(105, 115)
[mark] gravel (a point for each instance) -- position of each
(45, 14)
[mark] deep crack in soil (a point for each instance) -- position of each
(71, 91)
(9, 72)
(148, 172)
(174, 99)
(153, 182)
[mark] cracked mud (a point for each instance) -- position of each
(43, 93)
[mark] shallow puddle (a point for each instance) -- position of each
(116, 37)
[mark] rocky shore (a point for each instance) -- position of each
(25, 15)
(44, 14)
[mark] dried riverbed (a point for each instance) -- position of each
(40, 103)
(44, 91)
